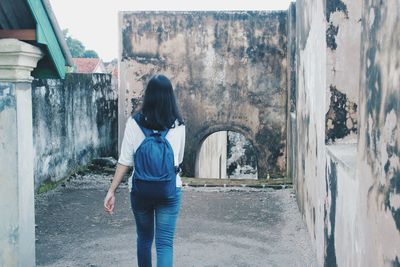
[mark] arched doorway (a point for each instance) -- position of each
(226, 154)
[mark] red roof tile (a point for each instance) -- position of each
(86, 65)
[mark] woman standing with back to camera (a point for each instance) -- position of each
(153, 143)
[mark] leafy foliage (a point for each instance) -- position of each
(90, 54)
(77, 48)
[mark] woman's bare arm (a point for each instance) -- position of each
(118, 176)
(109, 200)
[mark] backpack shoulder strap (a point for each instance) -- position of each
(148, 132)
(164, 133)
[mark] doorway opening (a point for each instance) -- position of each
(226, 154)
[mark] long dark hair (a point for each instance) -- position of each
(159, 110)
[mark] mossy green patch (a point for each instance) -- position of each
(51, 185)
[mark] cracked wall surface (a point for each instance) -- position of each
(228, 70)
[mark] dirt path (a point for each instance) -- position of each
(217, 227)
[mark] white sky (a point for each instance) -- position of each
(95, 22)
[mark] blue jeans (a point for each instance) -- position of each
(165, 212)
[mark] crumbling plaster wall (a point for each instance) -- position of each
(343, 40)
(348, 192)
(310, 117)
(228, 70)
(74, 120)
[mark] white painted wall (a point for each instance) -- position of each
(212, 156)
(17, 221)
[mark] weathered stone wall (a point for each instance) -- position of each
(74, 120)
(228, 70)
(291, 92)
(291, 57)
(347, 84)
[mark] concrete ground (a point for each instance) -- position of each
(217, 227)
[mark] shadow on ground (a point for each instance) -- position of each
(217, 227)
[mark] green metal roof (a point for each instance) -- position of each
(47, 37)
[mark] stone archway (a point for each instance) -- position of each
(228, 70)
(263, 149)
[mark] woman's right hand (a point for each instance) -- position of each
(109, 202)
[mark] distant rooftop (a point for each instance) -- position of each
(88, 65)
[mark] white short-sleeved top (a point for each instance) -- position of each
(134, 136)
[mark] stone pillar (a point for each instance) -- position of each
(17, 223)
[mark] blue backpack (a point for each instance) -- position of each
(155, 172)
